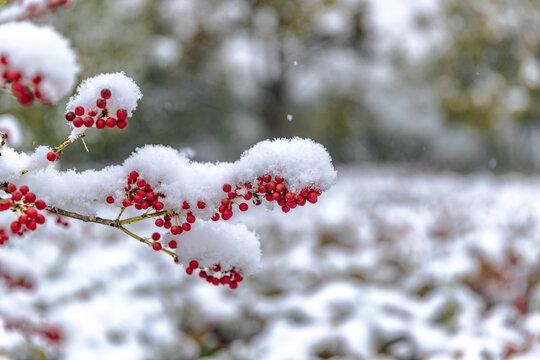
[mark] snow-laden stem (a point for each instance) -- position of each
(108, 222)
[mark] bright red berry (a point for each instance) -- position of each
(156, 246)
(186, 226)
(92, 113)
(121, 114)
(159, 222)
(16, 196)
(312, 197)
(173, 244)
(31, 225)
(271, 186)
(133, 175)
(233, 285)
(78, 122)
(190, 218)
(185, 205)
(12, 188)
(79, 111)
(285, 209)
(24, 189)
(156, 236)
(29, 198)
(276, 196)
(110, 199)
(126, 202)
(31, 213)
(193, 264)
(101, 103)
(70, 116)
(262, 189)
(189, 271)
(248, 196)
(215, 217)
(266, 178)
(51, 156)
(243, 206)
(15, 227)
(158, 206)
(279, 179)
(227, 188)
(201, 204)
(227, 214)
(110, 122)
(100, 124)
(289, 196)
(121, 124)
(40, 205)
(105, 93)
(280, 188)
(88, 121)
(176, 230)
(40, 219)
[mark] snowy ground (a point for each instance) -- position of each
(390, 264)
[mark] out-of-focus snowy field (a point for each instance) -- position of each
(390, 264)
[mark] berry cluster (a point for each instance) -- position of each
(268, 189)
(47, 332)
(139, 194)
(216, 275)
(13, 281)
(176, 223)
(24, 89)
(26, 205)
(99, 117)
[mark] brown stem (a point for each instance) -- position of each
(108, 222)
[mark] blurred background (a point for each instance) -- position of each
(449, 84)
(427, 247)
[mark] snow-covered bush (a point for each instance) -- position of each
(156, 183)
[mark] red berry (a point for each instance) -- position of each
(185, 205)
(167, 224)
(285, 209)
(16, 196)
(133, 176)
(126, 203)
(110, 199)
(31, 225)
(122, 114)
(289, 196)
(189, 271)
(105, 93)
(12, 75)
(276, 196)
(280, 188)
(271, 186)
(186, 226)
(156, 246)
(279, 179)
(173, 244)
(88, 121)
(291, 204)
(31, 213)
(176, 259)
(312, 197)
(51, 156)
(304, 192)
(215, 217)
(225, 280)
(23, 219)
(225, 202)
(262, 189)
(243, 206)
(158, 206)
(29, 198)
(201, 204)
(92, 113)
(159, 222)
(15, 227)
(110, 122)
(78, 122)
(141, 183)
(238, 278)
(24, 189)
(176, 230)
(190, 218)
(203, 274)
(193, 264)
(121, 124)
(12, 188)
(70, 116)
(100, 124)
(40, 219)
(233, 285)
(248, 196)
(269, 197)
(227, 214)
(266, 178)
(40, 205)
(215, 281)
(227, 188)
(156, 236)
(101, 103)
(79, 111)
(3, 60)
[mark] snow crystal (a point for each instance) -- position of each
(23, 42)
(124, 93)
(221, 243)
